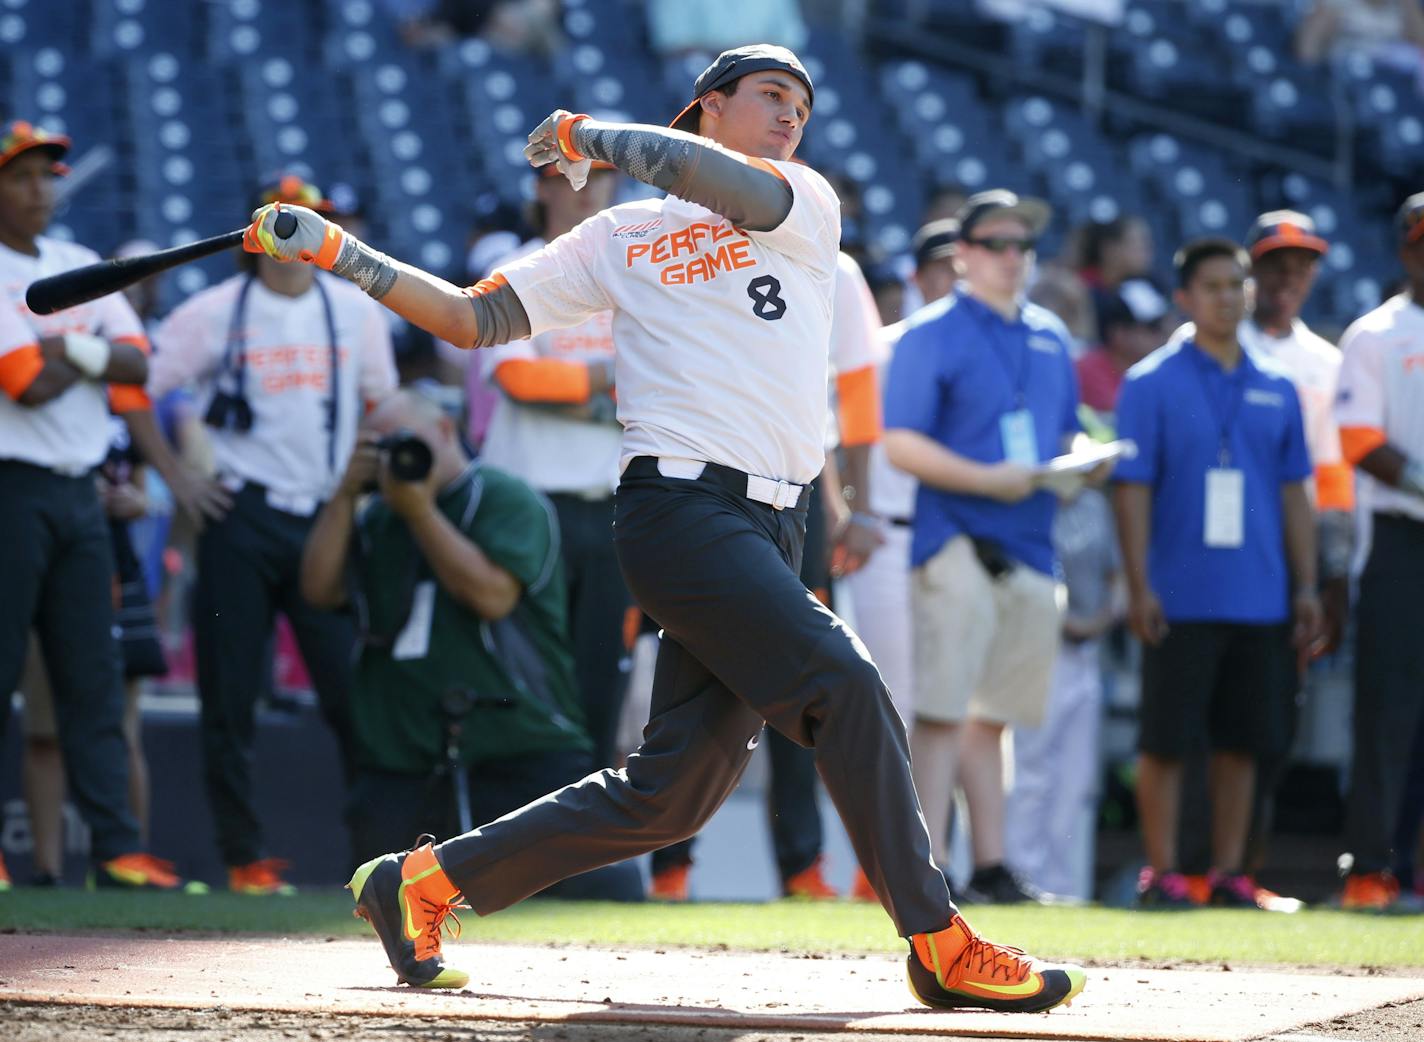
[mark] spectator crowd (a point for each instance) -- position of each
(1045, 475)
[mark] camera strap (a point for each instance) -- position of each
(234, 361)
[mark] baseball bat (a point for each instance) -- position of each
(71, 288)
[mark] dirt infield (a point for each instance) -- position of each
(255, 989)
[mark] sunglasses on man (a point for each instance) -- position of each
(1003, 243)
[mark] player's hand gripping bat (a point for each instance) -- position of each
(70, 288)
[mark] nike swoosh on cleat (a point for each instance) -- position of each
(1023, 988)
(407, 926)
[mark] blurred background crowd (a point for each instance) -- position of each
(256, 582)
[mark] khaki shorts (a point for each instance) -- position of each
(984, 648)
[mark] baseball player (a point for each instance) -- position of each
(285, 361)
(721, 296)
(61, 375)
(1380, 409)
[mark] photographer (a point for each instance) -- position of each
(453, 571)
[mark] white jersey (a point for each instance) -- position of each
(892, 491)
(1314, 367)
(721, 335)
(287, 374)
(70, 432)
(553, 453)
(1382, 390)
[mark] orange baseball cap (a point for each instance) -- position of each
(1284, 229)
(293, 189)
(21, 135)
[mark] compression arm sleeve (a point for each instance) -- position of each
(499, 314)
(753, 197)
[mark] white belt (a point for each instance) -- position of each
(777, 494)
(287, 502)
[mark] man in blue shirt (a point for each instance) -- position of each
(981, 391)
(1218, 544)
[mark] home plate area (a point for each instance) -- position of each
(570, 985)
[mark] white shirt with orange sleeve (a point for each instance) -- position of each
(1381, 396)
(1313, 364)
(550, 451)
(69, 433)
(722, 336)
(855, 336)
(288, 369)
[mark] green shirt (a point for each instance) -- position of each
(423, 644)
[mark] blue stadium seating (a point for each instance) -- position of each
(196, 101)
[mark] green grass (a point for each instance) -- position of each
(1098, 934)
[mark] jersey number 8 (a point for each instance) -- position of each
(765, 292)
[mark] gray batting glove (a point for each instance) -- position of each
(315, 241)
(553, 142)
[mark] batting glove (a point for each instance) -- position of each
(316, 240)
(553, 142)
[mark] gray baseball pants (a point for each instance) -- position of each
(745, 643)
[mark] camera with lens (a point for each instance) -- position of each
(407, 455)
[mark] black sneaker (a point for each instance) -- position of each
(999, 885)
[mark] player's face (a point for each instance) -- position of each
(27, 193)
(765, 117)
(935, 279)
(1215, 299)
(564, 208)
(995, 256)
(1283, 280)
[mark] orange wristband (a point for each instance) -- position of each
(564, 138)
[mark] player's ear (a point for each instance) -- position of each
(713, 102)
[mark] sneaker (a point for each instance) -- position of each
(956, 968)
(670, 884)
(1164, 890)
(861, 890)
(1370, 892)
(141, 871)
(810, 883)
(407, 898)
(44, 881)
(5, 883)
(999, 885)
(1233, 890)
(1270, 901)
(1198, 889)
(260, 879)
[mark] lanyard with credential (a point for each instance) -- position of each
(1225, 417)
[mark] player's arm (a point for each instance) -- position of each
(65, 360)
(748, 192)
(1360, 413)
(477, 316)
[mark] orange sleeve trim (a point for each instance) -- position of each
(1334, 487)
(18, 369)
(128, 398)
(1358, 442)
(762, 164)
(543, 380)
(858, 394)
(488, 285)
(140, 342)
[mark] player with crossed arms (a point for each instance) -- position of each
(722, 298)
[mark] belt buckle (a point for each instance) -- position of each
(784, 497)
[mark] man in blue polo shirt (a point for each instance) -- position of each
(981, 390)
(1218, 544)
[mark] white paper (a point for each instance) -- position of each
(414, 639)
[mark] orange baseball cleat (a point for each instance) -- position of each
(811, 883)
(260, 879)
(670, 884)
(956, 968)
(407, 898)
